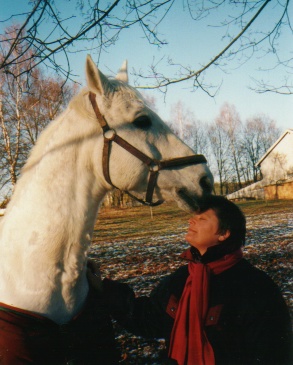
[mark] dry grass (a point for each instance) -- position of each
(137, 222)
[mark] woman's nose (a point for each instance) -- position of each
(192, 220)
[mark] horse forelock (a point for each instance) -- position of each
(120, 89)
(116, 93)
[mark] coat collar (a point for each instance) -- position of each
(212, 254)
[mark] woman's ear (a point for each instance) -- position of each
(224, 236)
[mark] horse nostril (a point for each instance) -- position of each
(206, 184)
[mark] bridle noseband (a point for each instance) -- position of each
(154, 165)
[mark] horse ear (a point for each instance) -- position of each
(96, 80)
(122, 74)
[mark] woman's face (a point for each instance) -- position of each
(203, 231)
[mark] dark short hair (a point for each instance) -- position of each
(230, 217)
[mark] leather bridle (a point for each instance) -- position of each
(153, 165)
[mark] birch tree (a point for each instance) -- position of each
(220, 146)
(259, 134)
(230, 124)
(189, 128)
(26, 107)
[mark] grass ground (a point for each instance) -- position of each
(143, 221)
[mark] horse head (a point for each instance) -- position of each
(156, 159)
(56, 199)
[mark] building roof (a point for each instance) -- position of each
(288, 131)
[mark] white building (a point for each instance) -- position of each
(277, 163)
(277, 169)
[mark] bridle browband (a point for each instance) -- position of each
(154, 165)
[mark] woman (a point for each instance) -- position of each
(217, 308)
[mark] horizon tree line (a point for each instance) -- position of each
(28, 104)
(232, 146)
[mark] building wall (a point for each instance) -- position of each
(278, 165)
(253, 191)
(279, 191)
(277, 169)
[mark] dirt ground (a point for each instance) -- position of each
(139, 246)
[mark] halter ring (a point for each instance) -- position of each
(110, 134)
(155, 168)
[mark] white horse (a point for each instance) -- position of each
(47, 228)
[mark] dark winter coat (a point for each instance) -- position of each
(247, 323)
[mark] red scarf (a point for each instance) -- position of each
(189, 343)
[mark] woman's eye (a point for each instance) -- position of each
(143, 122)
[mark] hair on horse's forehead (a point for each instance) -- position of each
(124, 96)
(125, 91)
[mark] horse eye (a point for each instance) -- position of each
(142, 122)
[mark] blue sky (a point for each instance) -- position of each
(192, 43)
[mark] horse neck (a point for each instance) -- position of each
(58, 186)
(49, 223)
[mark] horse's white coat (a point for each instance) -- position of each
(48, 225)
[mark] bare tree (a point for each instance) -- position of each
(220, 146)
(248, 33)
(230, 123)
(25, 109)
(189, 128)
(252, 145)
(97, 26)
(179, 118)
(259, 133)
(12, 91)
(48, 33)
(46, 98)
